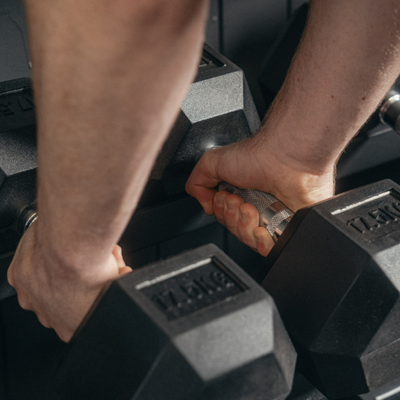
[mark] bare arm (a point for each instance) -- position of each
(109, 78)
(348, 59)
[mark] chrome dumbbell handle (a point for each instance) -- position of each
(274, 215)
(27, 218)
(389, 112)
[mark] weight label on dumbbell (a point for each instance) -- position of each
(17, 110)
(189, 290)
(373, 218)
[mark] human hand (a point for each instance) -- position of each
(254, 165)
(59, 295)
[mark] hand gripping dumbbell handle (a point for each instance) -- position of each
(274, 215)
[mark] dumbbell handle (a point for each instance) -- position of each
(389, 112)
(274, 215)
(27, 218)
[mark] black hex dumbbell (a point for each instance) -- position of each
(17, 159)
(335, 277)
(191, 327)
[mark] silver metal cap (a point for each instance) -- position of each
(274, 215)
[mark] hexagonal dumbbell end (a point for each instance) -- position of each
(192, 327)
(218, 110)
(335, 278)
(18, 158)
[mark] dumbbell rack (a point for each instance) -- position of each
(29, 353)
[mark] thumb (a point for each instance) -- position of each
(203, 181)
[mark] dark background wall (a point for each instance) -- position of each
(244, 31)
(14, 55)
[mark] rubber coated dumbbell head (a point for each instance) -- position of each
(217, 111)
(336, 281)
(17, 158)
(191, 327)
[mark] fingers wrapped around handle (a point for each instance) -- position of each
(274, 215)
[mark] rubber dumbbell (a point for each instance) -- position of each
(195, 326)
(389, 111)
(334, 274)
(217, 110)
(17, 158)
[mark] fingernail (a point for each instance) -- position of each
(244, 216)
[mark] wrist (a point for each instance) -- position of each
(296, 183)
(299, 142)
(62, 260)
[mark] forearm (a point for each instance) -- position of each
(348, 59)
(109, 78)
